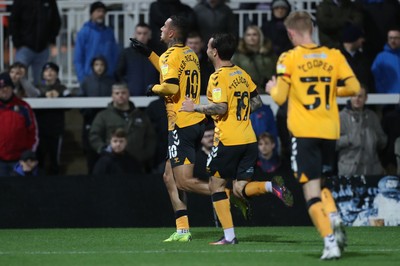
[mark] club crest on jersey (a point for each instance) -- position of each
(216, 94)
(164, 69)
(280, 69)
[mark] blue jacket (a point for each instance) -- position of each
(386, 70)
(94, 40)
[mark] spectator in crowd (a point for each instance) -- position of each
(160, 11)
(207, 142)
(268, 160)
(134, 68)
(391, 127)
(122, 113)
(361, 138)
(28, 165)
(263, 120)
(351, 47)
(115, 159)
(386, 67)
(397, 153)
(95, 39)
(214, 16)
(378, 15)
(275, 30)
(254, 55)
(18, 130)
(157, 113)
(22, 86)
(332, 17)
(51, 122)
(196, 43)
(97, 84)
(34, 25)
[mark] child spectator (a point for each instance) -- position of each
(22, 86)
(268, 160)
(50, 121)
(115, 159)
(27, 165)
(97, 84)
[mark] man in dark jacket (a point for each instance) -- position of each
(18, 130)
(122, 113)
(34, 25)
(134, 68)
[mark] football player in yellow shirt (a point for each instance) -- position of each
(308, 78)
(179, 77)
(232, 96)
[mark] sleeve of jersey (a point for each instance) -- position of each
(346, 75)
(218, 93)
(280, 92)
(154, 58)
(170, 84)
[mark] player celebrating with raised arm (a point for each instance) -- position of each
(308, 76)
(179, 76)
(232, 95)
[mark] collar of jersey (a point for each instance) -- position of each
(310, 46)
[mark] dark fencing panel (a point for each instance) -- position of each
(121, 201)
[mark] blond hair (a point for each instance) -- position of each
(299, 21)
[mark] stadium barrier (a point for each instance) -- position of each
(120, 201)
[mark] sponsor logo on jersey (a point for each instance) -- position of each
(313, 56)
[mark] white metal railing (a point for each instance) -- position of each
(75, 12)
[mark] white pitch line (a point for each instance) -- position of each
(177, 251)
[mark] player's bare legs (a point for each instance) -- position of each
(178, 200)
(174, 194)
(187, 182)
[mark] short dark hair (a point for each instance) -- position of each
(194, 34)
(225, 43)
(143, 25)
(266, 135)
(181, 26)
(119, 133)
(18, 65)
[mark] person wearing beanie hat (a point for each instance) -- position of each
(97, 5)
(95, 39)
(18, 129)
(280, 3)
(351, 47)
(50, 121)
(27, 165)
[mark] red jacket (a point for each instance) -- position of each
(18, 129)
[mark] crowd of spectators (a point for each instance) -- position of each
(103, 69)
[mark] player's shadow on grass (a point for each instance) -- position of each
(350, 254)
(266, 239)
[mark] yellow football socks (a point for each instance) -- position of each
(320, 219)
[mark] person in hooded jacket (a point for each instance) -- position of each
(274, 29)
(94, 39)
(98, 84)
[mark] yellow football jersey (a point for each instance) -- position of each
(182, 63)
(232, 85)
(312, 73)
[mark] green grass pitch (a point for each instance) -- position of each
(144, 246)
